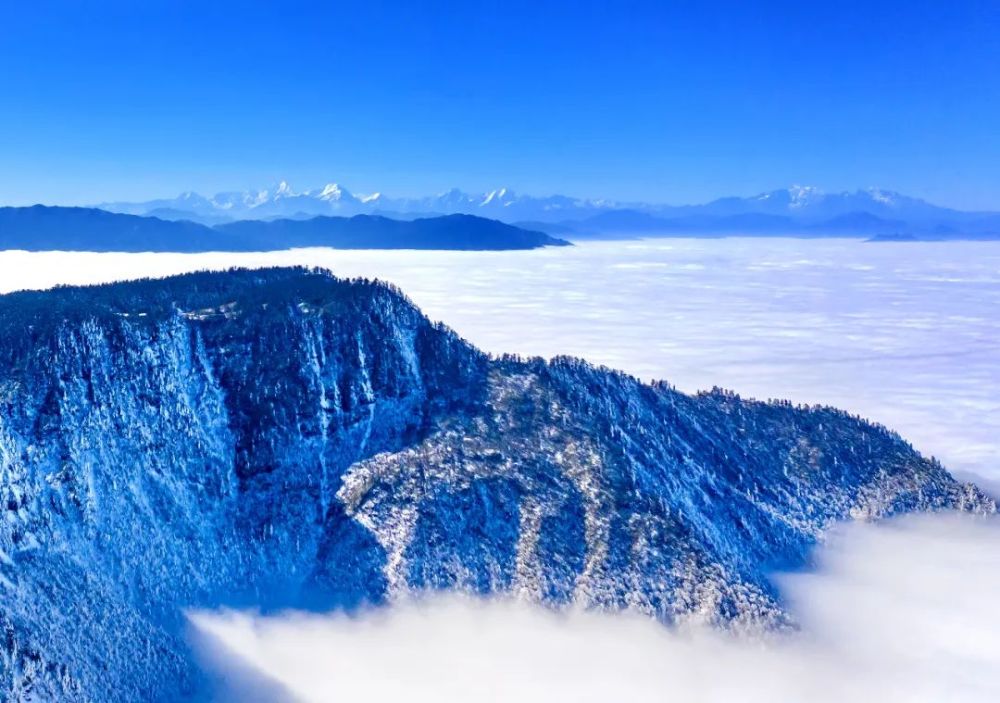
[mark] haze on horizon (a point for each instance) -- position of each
(675, 105)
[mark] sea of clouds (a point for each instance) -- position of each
(907, 334)
(900, 612)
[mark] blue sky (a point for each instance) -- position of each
(669, 101)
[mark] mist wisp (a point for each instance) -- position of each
(902, 611)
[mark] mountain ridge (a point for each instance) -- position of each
(804, 210)
(283, 438)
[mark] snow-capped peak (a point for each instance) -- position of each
(803, 195)
(332, 191)
(498, 195)
(881, 196)
(373, 197)
(283, 190)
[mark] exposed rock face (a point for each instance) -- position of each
(283, 438)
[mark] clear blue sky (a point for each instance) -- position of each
(664, 101)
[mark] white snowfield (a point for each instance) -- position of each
(907, 334)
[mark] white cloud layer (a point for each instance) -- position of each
(899, 612)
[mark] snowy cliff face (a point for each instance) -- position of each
(282, 438)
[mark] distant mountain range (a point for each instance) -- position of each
(40, 228)
(282, 201)
(795, 211)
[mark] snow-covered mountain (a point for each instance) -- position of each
(809, 203)
(798, 209)
(282, 438)
(283, 201)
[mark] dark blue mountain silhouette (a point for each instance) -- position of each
(41, 228)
